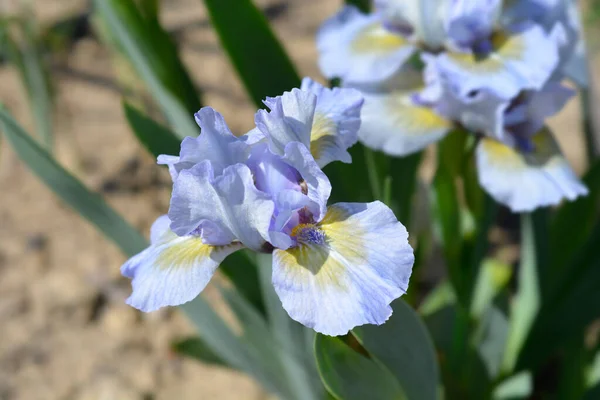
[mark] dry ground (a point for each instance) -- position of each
(65, 332)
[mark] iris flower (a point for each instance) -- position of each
(334, 267)
(489, 67)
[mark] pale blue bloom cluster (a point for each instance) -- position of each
(334, 267)
(493, 67)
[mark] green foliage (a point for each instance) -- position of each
(350, 375)
(363, 5)
(28, 58)
(195, 347)
(258, 57)
(488, 331)
(403, 345)
(150, 50)
(156, 138)
(90, 205)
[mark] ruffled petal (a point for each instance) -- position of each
(394, 124)
(173, 270)
(215, 143)
(524, 181)
(422, 20)
(358, 49)
(482, 111)
(290, 119)
(336, 122)
(520, 61)
(345, 270)
(222, 209)
(470, 21)
(317, 184)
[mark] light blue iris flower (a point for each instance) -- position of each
(334, 267)
(492, 67)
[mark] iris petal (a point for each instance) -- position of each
(525, 181)
(336, 122)
(223, 208)
(520, 61)
(290, 119)
(173, 270)
(215, 143)
(392, 123)
(346, 270)
(358, 49)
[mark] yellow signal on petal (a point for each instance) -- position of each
(322, 134)
(186, 252)
(376, 39)
(414, 119)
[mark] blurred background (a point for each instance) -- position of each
(65, 331)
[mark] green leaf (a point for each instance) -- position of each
(490, 339)
(90, 205)
(154, 137)
(464, 373)
(404, 346)
(233, 350)
(566, 237)
(441, 296)
(363, 5)
(351, 179)
(258, 57)
(516, 387)
(242, 271)
(493, 277)
(571, 311)
(404, 179)
(349, 375)
(298, 366)
(28, 60)
(527, 300)
(446, 209)
(195, 347)
(155, 58)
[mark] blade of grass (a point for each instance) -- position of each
(527, 301)
(258, 57)
(127, 28)
(70, 189)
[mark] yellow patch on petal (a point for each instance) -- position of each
(505, 48)
(415, 120)
(187, 253)
(328, 262)
(313, 262)
(376, 39)
(545, 151)
(322, 134)
(344, 237)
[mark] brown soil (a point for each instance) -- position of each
(65, 332)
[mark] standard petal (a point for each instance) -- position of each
(470, 21)
(520, 61)
(525, 181)
(336, 122)
(173, 270)
(346, 270)
(481, 111)
(423, 20)
(223, 208)
(290, 119)
(215, 143)
(358, 49)
(318, 187)
(394, 124)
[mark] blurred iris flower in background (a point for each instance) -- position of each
(493, 68)
(334, 267)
